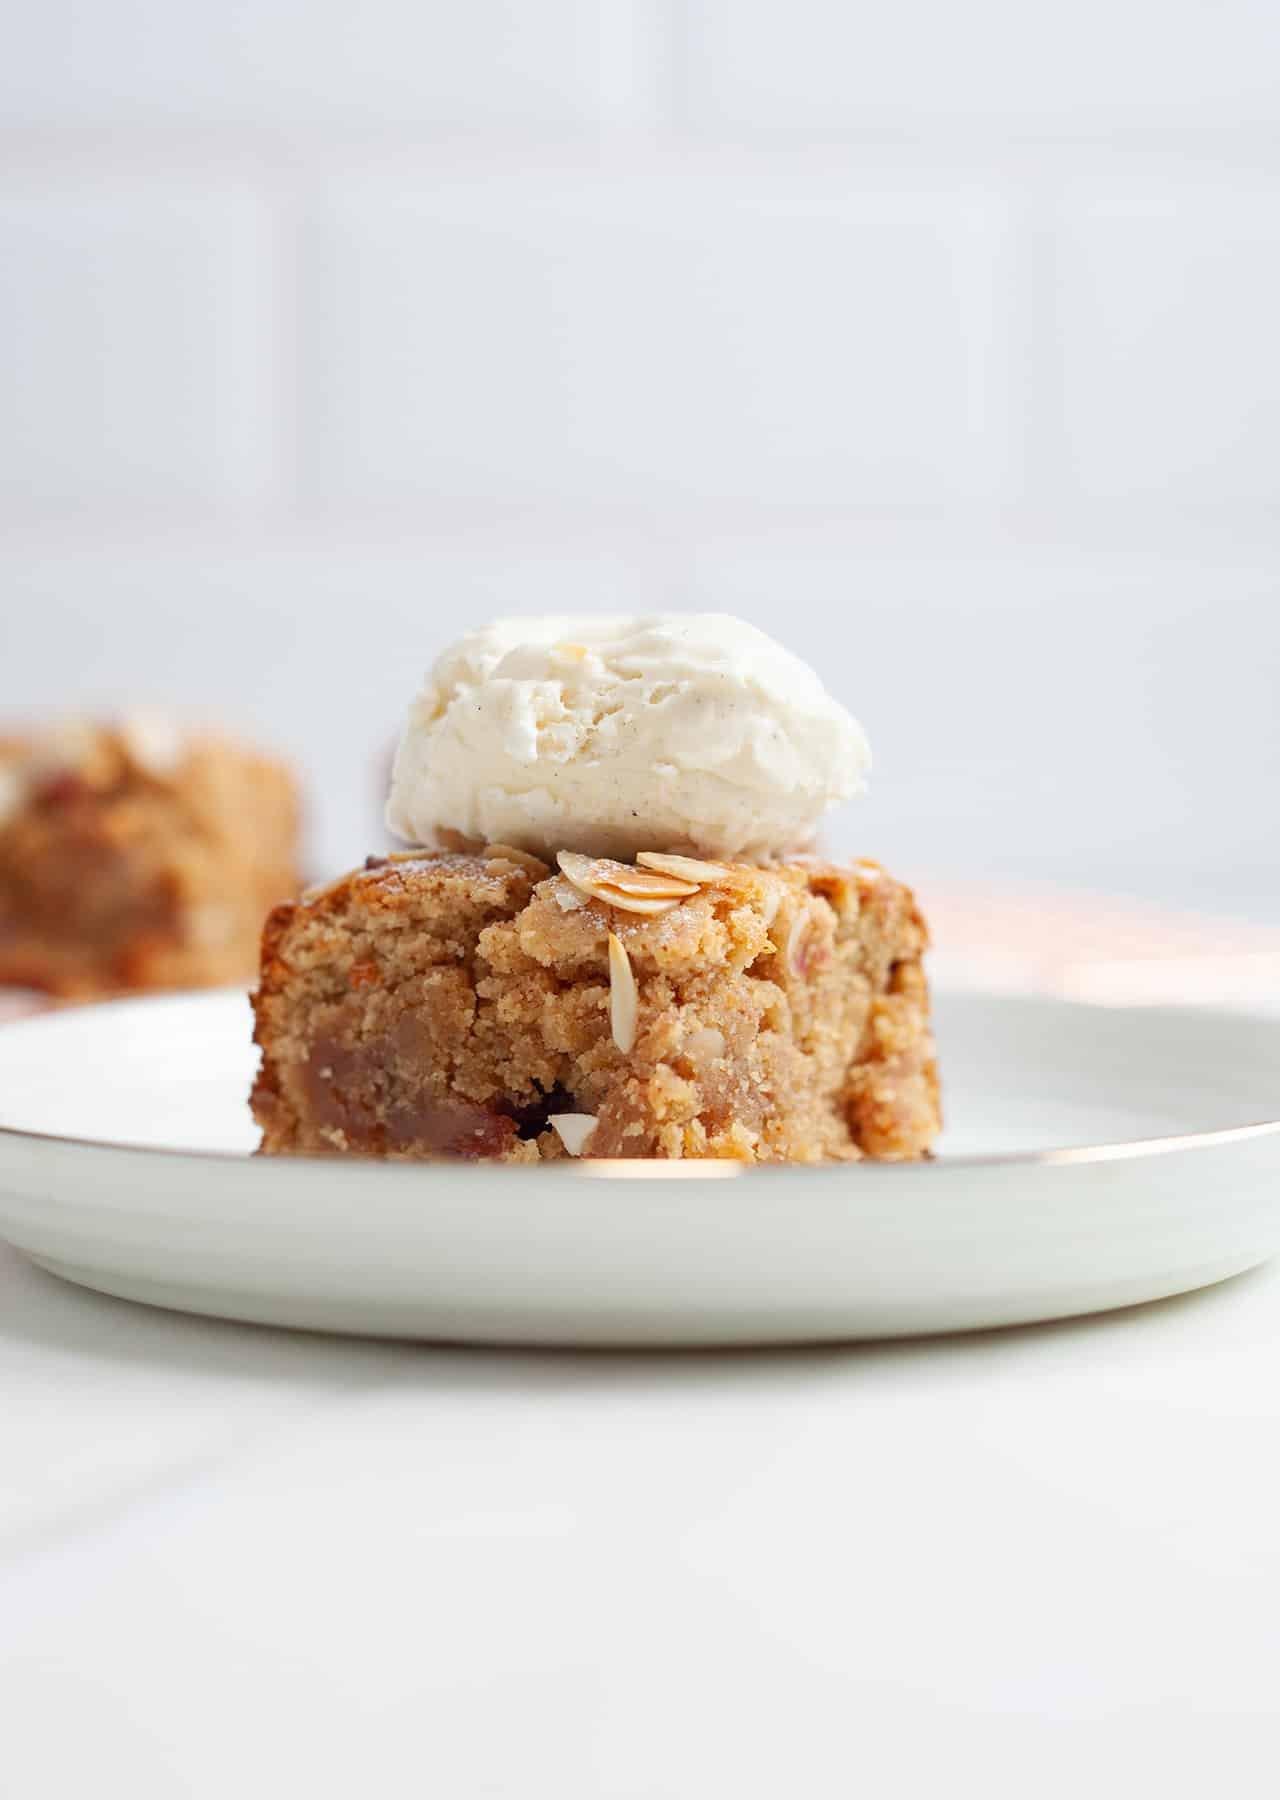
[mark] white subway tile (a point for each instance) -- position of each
(284, 62)
(777, 336)
(1083, 717)
(823, 65)
(315, 646)
(1166, 302)
(1104, 719)
(137, 338)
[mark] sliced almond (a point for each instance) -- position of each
(770, 901)
(573, 1130)
(624, 997)
(580, 870)
(617, 884)
(685, 868)
(807, 951)
(649, 909)
(646, 884)
(605, 879)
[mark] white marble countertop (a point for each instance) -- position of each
(1039, 1562)
(234, 1561)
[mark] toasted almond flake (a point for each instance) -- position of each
(632, 903)
(577, 869)
(624, 998)
(793, 953)
(573, 1130)
(685, 868)
(770, 901)
(806, 953)
(607, 880)
(645, 884)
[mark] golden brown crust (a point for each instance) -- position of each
(117, 877)
(454, 1001)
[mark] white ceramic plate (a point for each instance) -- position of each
(1095, 1157)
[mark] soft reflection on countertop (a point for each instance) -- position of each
(330, 1561)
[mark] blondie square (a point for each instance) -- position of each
(132, 857)
(479, 1004)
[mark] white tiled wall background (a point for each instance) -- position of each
(941, 340)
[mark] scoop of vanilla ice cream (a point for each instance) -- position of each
(681, 732)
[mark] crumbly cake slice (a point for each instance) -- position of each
(135, 859)
(448, 1003)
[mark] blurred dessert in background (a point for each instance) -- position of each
(134, 855)
(513, 989)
